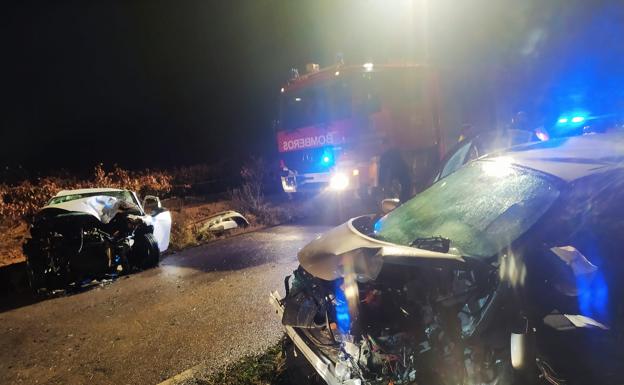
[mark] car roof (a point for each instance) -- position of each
(86, 191)
(569, 158)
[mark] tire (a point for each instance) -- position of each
(145, 252)
(37, 279)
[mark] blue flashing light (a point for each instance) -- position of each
(327, 158)
(572, 118)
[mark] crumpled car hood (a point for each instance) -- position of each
(344, 249)
(102, 207)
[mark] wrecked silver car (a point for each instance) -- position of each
(94, 233)
(508, 271)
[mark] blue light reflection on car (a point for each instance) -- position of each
(343, 319)
(593, 297)
(377, 226)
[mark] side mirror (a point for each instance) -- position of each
(151, 204)
(389, 204)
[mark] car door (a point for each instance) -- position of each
(161, 221)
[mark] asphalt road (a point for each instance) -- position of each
(201, 308)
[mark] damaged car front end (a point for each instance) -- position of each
(498, 274)
(92, 234)
(379, 313)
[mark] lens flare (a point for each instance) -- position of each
(338, 182)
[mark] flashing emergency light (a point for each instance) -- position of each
(572, 118)
(327, 158)
(338, 182)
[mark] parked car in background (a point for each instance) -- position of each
(506, 271)
(94, 233)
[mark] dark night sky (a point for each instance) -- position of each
(156, 84)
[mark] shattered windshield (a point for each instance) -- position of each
(125, 196)
(477, 210)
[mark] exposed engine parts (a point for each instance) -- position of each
(92, 234)
(409, 326)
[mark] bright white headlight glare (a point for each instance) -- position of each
(338, 181)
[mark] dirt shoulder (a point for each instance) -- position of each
(12, 236)
(187, 215)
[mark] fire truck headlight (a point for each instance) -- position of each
(338, 181)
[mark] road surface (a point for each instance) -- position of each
(200, 308)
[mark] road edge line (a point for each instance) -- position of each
(185, 375)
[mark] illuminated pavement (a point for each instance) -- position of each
(203, 306)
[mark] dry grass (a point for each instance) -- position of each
(185, 231)
(19, 202)
(12, 236)
(22, 200)
(266, 369)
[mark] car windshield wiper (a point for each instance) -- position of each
(436, 243)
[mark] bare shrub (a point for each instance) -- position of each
(249, 197)
(143, 182)
(25, 198)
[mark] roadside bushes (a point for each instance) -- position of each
(143, 182)
(249, 197)
(25, 198)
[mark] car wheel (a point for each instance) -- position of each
(145, 251)
(34, 267)
(36, 277)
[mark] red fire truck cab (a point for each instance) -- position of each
(360, 128)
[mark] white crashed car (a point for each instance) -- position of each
(94, 233)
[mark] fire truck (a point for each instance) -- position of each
(371, 129)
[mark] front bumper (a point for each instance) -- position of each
(323, 366)
(293, 182)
